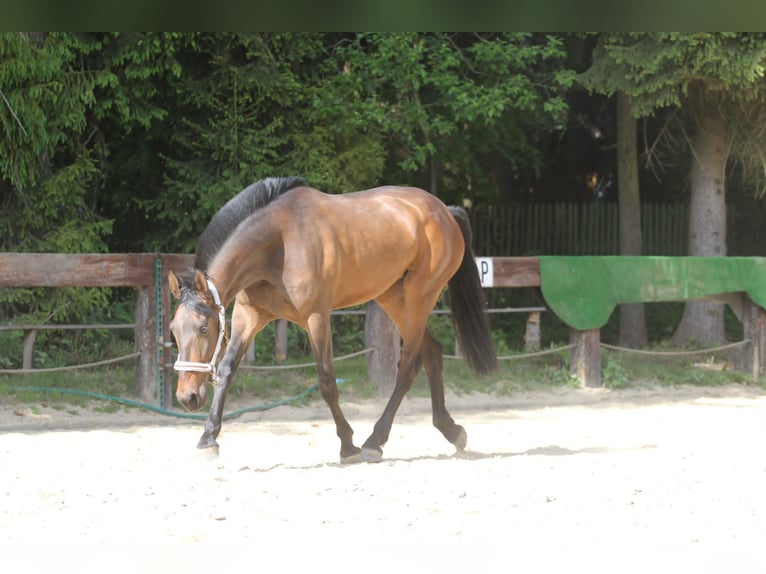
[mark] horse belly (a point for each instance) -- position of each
(363, 280)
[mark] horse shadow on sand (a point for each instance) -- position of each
(467, 455)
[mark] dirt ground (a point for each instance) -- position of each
(658, 480)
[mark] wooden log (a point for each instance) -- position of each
(250, 353)
(146, 344)
(754, 327)
(585, 363)
(516, 272)
(380, 333)
(85, 269)
(280, 340)
(532, 334)
(137, 269)
(28, 359)
(176, 262)
(75, 270)
(166, 341)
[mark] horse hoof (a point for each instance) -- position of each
(461, 440)
(208, 447)
(208, 453)
(352, 458)
(372, 454)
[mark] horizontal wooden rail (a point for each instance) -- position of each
(85, 269)
(137, 269)
(512, 271)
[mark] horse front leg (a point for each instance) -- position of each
(245, 324)
(320, 335)
(226, 370)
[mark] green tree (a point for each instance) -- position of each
(131, 127)
(458, 114)
(245, 108)
(633, 331)
(47, 160)
(462, 114)
(73, 107)
(712, 79)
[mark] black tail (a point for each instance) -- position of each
(468, 307)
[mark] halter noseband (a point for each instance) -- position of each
(210, 366)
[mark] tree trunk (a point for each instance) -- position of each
(702, 322)
(632, 318)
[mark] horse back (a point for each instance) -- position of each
(359, 244)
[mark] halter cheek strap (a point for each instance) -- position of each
(209, 367)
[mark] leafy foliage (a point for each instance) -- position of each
(349, 111)
(717, 80)
(242, 112)
(47, 162)
(677, 70)
(453, 107)
(658, 69)
(156, 130)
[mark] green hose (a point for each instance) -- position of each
(153, 408)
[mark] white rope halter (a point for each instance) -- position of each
(210, 366)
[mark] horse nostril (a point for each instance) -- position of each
(193, 400)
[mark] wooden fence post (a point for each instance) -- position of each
(380, 333)
(166, 356)
(754, 327)
(280, 340)
(532, 334)
(586, 357)
(28, 361)
(146, 344)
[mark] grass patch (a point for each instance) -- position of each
(28, 388)
(625, 370)
(619, 371)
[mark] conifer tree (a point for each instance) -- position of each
(714, 80)
(47, 164)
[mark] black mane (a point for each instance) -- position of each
(236, 210)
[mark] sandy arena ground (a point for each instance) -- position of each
(649, 480)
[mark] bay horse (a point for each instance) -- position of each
(281, 249)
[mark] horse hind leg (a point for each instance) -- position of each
(409, 365)
(409, 304)
(428, 353)
(411, 327)
(433, 363)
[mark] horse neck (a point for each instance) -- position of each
(238, 265)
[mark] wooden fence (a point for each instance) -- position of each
(520, 229)
(147, 273)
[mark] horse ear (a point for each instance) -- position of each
(175, 285)
(200, 283)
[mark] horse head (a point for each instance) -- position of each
(199, 327)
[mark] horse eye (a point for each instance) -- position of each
(203, 330)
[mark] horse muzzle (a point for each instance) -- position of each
(190, 394)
